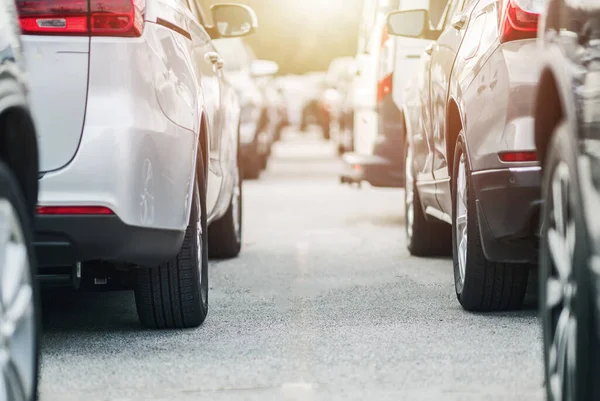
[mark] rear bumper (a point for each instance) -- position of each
(64, 240)
(508, 205)
(376, 170)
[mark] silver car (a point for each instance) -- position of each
(138, 137)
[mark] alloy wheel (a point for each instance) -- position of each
(17, 310)
(561, 288)
(461, 218)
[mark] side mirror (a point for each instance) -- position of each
(263, 68)
(410, 23)
(233, 20)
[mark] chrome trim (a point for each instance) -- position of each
(510, 169)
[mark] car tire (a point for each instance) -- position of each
(480, 285)
(423, 237)
(23, 340)
(175, 293)
(566, 289)
(225, 234)
(252, 161)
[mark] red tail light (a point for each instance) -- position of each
(386, 66)
(519, 19)
(82, 17)
(524, 156)
(74, 210)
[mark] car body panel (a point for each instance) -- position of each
(137, 132)
(58, 73)
(508, 82)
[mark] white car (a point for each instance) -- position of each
(138, 139)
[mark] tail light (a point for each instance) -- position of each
(74, 210)
(386, 66)
(522, 156)
(82, 17)
(519, 19)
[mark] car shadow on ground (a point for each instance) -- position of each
(65, 310)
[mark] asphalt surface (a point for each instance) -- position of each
(324, 303)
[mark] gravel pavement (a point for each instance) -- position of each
(324, 303)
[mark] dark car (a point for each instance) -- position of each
(473, 178)
(19, 319)
(567, 135)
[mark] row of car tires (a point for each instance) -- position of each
(480, 285)
(175, 294)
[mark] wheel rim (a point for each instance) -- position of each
(461, 218)
(17, 313)
(409, 194)
(561, 288)
(236, 204)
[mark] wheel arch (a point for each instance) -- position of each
(19, 150)
(548, 111)
(454, 126)
(203, 138)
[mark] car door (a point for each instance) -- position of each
(421, 120)
(443, 54)
(209, 72)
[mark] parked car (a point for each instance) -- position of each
(19, 300)
(276, 107)
(313, 108)
(567, 137)
(293, 88)
(340, 75)
(138, 139)
(473, 178)
(242, 69)
(385, 65)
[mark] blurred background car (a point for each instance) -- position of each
(567, 137)
(336, 98)
(277, 107)
(314, 111)
(293, 95)
(19, 298)
(244, 71)
(385, 64)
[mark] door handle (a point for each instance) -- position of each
(458, 21)
(429, 48)
(212, 57)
